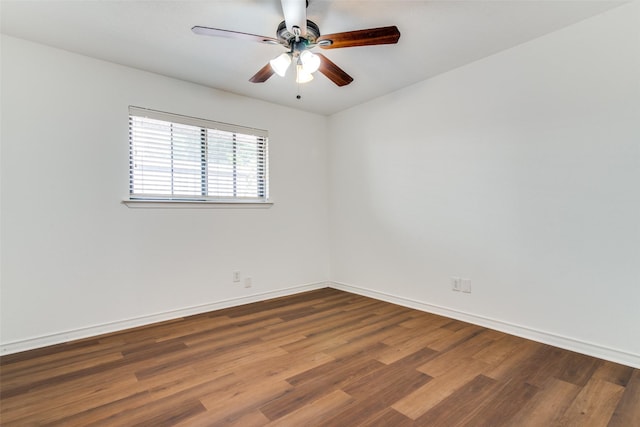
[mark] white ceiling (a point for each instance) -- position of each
(156, 36)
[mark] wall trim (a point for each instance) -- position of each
(120, 325)
(567, 343)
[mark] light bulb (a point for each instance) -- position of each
(310, 62)
(302, 75)
(281, 64)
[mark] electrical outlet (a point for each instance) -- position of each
(455, 284)
(247, 282)
(236, 276)
(466, 285)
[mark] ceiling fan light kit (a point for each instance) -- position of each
(300, 35)
(303, 76)
(281, 64)
(310, 62)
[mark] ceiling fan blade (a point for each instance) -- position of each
(295, 15)
(263, 74)
(333, 72)
(216, 32)
(372, 36)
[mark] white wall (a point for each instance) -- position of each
(520, 171)
(74, 257)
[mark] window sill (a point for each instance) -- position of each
(194, 204)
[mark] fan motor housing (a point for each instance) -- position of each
(284, 35)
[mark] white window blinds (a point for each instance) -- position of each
(173, 157)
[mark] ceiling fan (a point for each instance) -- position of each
(300, 36)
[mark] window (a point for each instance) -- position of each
(180, 158)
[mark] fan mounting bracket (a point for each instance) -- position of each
(288, 39)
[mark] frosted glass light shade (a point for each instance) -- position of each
(310, 62)
(281, 64)
(302, 75)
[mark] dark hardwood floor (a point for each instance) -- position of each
(322, 358)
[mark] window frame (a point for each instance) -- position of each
(205, 199)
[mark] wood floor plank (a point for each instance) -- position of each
(316, 410)
(318, 322)
(285, 366)
(326, 378)
(56, 401)
(443, 361)
(521, 354)
(338, 369)
(439, 388)
(542, 364)
(360, 412)
(462, 405)
(614, 373)
(42, 373)
(503, 404)
(401, 375)
(157, 413)
(627, 413)
(25, 358)
(205, 382)
(315, 383)
(375, 326)
(425, 321)
(377, 390)
(319, 358)
(499, 350)
(547, 406)
(399, 348)
(578, 368)
(236, 361)
(594, 405)
(189, 389)
(65, 358)
(457, 337)
(228, 406)
(389, 417)
(254, 418)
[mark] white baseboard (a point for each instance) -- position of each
(566, 343)
(92, 331)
